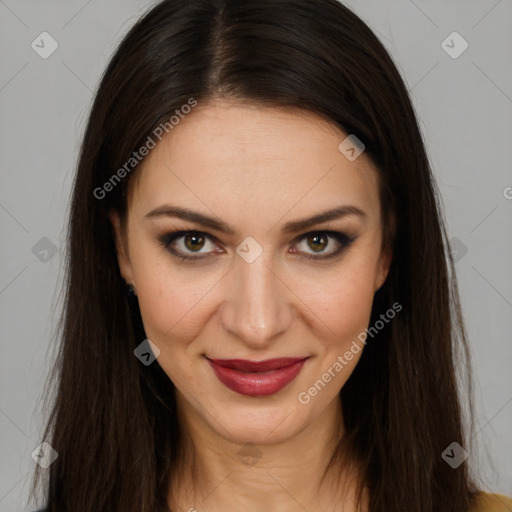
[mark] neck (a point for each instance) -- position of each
(217, 474)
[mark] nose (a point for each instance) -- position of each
(258, 306)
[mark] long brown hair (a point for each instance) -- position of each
(113, 421)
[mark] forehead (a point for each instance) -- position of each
(232, 157)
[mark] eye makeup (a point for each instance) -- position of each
(188, 238)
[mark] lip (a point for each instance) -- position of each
(257, 378)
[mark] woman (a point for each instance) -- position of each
(261, 312)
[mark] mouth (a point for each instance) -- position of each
(257, 378)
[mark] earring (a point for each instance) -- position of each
(130, 290)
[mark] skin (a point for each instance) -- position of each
(255, 169)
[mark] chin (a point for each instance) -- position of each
(258, 424)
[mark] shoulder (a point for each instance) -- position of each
(487, 502)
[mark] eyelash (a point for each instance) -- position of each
(166, 240)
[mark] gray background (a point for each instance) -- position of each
(464, 106)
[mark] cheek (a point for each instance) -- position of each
(172, 306)
(171, 297)
(344, 305)
(173, 313)
(344, 302)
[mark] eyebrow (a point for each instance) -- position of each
(290, 227)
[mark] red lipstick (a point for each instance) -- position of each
(257, 378)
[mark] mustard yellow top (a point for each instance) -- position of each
(486, 502)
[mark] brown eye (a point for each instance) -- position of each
(182, 244)
(326, 244)
(185, 244)
(194, 242)
(317, 242)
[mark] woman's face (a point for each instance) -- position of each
(254, 281)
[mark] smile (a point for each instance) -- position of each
(257, 378)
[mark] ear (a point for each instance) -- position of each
(386, 256)
(386, 253)
(121, 241)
